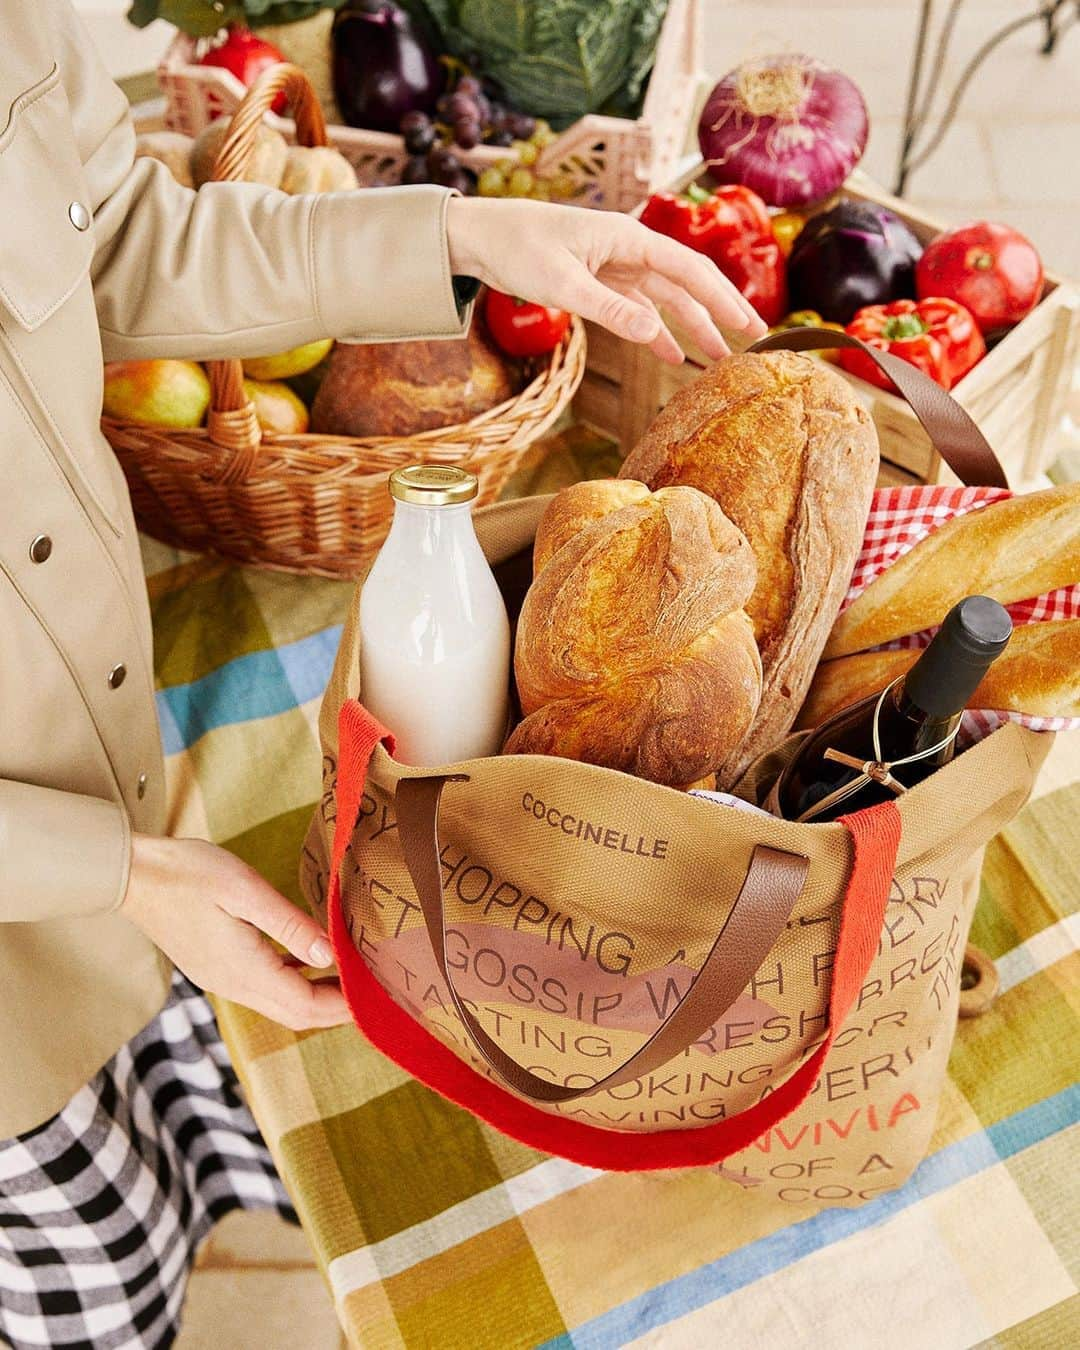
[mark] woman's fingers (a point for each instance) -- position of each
(276, 989)
(634, 320)
(259, 904)
(628, 313)
(693, 315)
(701, 278)
(664, 345)
(306, 1004)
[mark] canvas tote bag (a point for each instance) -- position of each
(635, 978)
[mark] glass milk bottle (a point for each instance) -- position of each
(435, 639)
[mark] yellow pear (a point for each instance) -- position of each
(158, 393)
(277, 408)
(287, 364)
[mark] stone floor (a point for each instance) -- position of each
(1013, 154)
(256, 1287)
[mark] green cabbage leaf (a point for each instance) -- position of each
(204, 18)
(557, 59)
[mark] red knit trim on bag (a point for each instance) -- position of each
(875, 836)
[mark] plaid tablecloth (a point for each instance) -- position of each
(434, 1231)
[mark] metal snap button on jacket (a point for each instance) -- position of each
(117, 675)
(140, 786)
(40, 548)
(79, 216)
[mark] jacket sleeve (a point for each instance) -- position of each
(238, 269)
(61, 854)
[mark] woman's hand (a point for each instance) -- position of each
(602, 265)
(208, 911)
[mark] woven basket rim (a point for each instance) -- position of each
(183, 447)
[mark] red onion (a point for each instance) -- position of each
(789, 127)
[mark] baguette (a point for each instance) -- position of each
(1012, 550)
(1038, 673)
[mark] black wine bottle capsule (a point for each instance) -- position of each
(843, 767)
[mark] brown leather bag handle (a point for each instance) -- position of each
(773, 883)
(952, 432)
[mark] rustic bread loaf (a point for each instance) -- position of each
(1010, 550)
(267, 162)
(633, 647)
(317, 168)
(400, 388)
(782, 443)
(1038, 673)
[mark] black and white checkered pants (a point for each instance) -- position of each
(103, 1207)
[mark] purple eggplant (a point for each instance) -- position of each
(854, 255)
(383, 66)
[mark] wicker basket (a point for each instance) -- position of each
(313, 504)
(614, 162)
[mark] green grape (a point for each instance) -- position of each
(491, 183)
(520, 183)
(563, 185)
(525, 151)
(541, 191)
(543, 135)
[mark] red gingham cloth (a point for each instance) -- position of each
(899, 518)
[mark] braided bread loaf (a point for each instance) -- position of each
(633, 647)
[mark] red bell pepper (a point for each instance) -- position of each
(732, 226)
(938, 336)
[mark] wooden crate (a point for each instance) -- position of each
(614, 162)
(1017, 393)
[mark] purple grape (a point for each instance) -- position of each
(483, 109)
(460, 105)
(523, 126)
(468, 84)
(441, 161)
(502, 138)
(415, 170)
(412, 121)
(467, 132)
(461, 181)
(419, 139)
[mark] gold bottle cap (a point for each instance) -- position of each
(433, 485)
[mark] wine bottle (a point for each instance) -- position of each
(879, 747)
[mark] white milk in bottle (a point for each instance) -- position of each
(435, 639)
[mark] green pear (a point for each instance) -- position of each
(157, 393)
(287, 364)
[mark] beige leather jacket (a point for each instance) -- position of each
(102, 257)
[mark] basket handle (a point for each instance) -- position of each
(231, 422)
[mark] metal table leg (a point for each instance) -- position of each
(917, 142)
